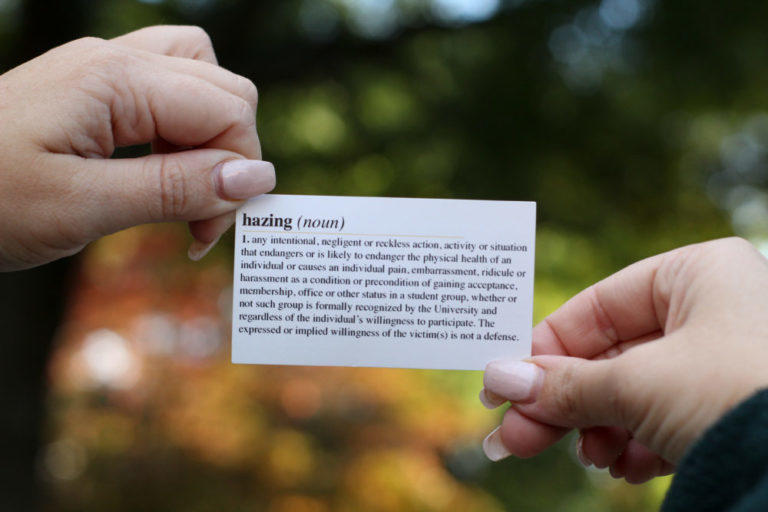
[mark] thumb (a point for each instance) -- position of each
(188, 185)
(558, 390)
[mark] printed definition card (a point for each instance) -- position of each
(373, 281)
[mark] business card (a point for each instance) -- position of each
(374, 281)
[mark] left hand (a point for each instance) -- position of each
(63, 114)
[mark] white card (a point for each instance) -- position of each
(374, 281)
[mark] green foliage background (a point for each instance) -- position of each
(635, 132)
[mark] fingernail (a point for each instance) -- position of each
(242, 179)
(580, 453)
(198, 249)
(493, 447)
(490, 400)
(514, 380)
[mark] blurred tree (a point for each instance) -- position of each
(31, 302)
(637, 125)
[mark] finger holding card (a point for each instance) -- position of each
(621, 361)
(189, 50)
(599, 324)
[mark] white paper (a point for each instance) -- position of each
(371, 281)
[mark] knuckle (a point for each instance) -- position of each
(109, 70)
(92, 51)
(243, 114)
(613, 381)
(584, 396)
(102, 68)
(723, 246)
(248, 91)
(198, 35)
(566, 394)
(737, 244)
(105, 54)
(621, 380)
(88, 42)
(171, 183)
(718, 255)
(198, 42)
(670, 270)
(603, 320)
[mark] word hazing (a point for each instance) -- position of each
(286, 223)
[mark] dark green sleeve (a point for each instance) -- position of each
(727, 469)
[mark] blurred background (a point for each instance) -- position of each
(637, 126)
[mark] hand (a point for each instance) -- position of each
(63, 113)
(642, 362)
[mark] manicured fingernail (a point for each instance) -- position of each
(242, 179)
(493, 447)
(198, 249)
(580, 453)
(514, 380)
(490, 400)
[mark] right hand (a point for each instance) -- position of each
(642, 362)
(63, 113)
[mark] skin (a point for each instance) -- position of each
(65, 112)
(646, 360)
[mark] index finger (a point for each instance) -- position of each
(622, 307)
(189, 42)
(189, 51)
